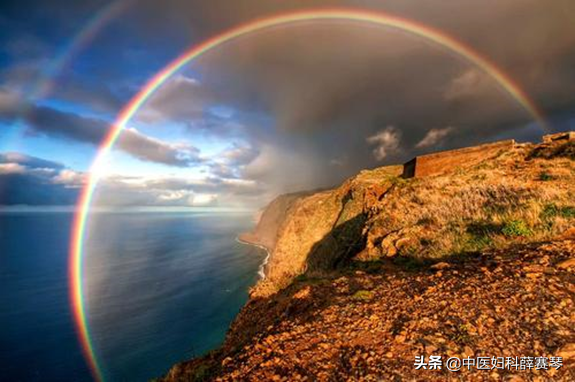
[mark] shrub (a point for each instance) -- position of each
(515, 228)
(568, 212)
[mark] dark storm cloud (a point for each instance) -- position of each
(334, 88)
(532, 40)
(180, 98)
(342, 96)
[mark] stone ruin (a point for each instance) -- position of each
(443, 162)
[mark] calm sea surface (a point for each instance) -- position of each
(161, 287)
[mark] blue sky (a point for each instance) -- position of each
(296, 107)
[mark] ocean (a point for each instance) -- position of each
(161, 287)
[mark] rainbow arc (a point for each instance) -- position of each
(369, 17)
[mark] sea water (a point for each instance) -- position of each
(161, 287)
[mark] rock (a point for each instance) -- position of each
(404, 243)
(567, 351)
(515, 378)
(441, 265)
(569, 234)
(534, 268)
(567, 264)
(303, 293)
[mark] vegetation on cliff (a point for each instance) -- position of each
(367, 276)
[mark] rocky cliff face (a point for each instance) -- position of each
(364, 277)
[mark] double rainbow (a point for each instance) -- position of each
(47, 80)
(369, 17)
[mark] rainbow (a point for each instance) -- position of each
(369, 17)
(47, 81)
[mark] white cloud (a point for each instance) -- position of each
(70, 178)
(386, 142)
(434, 136)
(11, 168)
(204, 199)
(470, 83)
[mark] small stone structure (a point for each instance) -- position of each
(446, 161)
(564, 136)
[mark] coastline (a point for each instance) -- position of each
(263, 265)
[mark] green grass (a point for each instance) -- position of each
(480, 234)
(551, 211)
(515, 228)
(477, 243)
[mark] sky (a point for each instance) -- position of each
(295, 107)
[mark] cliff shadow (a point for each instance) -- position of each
(337, 247)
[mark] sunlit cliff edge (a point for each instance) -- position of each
(463, 253)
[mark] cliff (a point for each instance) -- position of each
(478, 260)
(271, 218)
